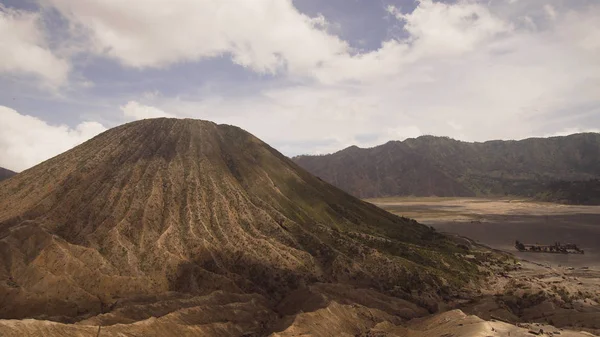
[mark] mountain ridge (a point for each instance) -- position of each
(6, 173)
(441, 166)
(447, 138)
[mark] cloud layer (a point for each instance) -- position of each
(24, 48)
(266, 36)
(463, 71)
(473, 70)
(26, 141)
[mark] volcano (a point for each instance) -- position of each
(195, 220)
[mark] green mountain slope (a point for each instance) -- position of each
(572, 192)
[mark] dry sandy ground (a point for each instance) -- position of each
(565, 297)
(563, 290)
(499, 222)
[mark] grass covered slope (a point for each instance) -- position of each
(187, 206)
(572, 192)
(440, 166)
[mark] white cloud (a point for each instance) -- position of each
(442, 29)
(461, 63)
(581, 29)
(23, 48)
(136, 111)
(265, 35)
(436, 30)
(472, 70)
(528, 22)
(271, 35)
(26, 141)
(570, 131)
(500, 81)
(550, 11)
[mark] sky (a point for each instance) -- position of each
(305, 76)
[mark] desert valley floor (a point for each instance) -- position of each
(499, 222)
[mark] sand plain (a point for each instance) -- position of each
(499, 222)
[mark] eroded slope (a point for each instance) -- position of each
(190, 207)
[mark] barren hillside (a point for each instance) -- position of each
(173, 210)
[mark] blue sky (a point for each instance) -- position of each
(306, 76)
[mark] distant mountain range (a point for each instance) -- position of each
(440, 166)
(5, 174)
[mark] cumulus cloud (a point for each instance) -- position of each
(272, 36)
(550, 11)
(441, 29)
(265, 36)
(134, 110)
(435, 30)
(24, 48)
(472, 70)
(497, 81)
(26, 141)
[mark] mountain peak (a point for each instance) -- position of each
(164, 205)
